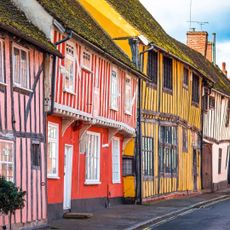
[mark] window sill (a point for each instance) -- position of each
(86, 68)
(195, 104)
(92, 182)
(168, 91)
(69, 91)
(116, 182)
(114, 109)
(185, 86)
(53, 177)
(22, 90)
(128, 113)
(151, 85)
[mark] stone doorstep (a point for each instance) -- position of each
(146, 223)
(76, 215)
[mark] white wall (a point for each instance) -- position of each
(224, 167)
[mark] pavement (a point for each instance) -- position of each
(129, 217)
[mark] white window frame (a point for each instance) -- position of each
(89, 181)
(114, 95)
(71, 58)
(128, 110)
(2, 62)
(20, 48)
(8, 162)
(116, 180)
(54, 175)
(89, 68)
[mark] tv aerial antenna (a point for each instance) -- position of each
(200, 23)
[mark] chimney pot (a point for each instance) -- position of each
(224, 69)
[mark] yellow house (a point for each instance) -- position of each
(167, 150)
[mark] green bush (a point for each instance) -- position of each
(11, 198)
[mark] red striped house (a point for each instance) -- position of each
(93, 109)
(23, 58)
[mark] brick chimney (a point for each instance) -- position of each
(224, 69)
(198, 40)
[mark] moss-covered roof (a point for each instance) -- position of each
(136, 14)
(13, 20)
(73, 16)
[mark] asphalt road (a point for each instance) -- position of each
(215, 217)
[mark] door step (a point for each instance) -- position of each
(76, 215)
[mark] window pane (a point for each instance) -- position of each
(16, 65)
(23, 67)
(114, 89)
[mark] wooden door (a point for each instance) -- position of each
(207, 166)
(195, 169)
(68, 176)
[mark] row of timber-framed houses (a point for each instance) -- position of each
(24, 60)
(94, 109)
(170, 151)
(216, 114)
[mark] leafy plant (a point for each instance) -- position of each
(11, 198)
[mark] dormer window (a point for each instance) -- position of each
(20, 67)
(1, 62)
(86, 60)
(69, 68)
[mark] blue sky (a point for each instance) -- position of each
(174, 14)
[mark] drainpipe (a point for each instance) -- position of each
(53, 79)
(139, 148)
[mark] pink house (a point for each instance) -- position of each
(24, 56)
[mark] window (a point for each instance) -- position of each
(195, 88)
(185, 140)
(219, 161)
(168, 150)
(114, 90)
(116, 177)
(1, 62)
(86, 59)
(228, 114)
(7, 160)
(92, 173)
(148, 157)
(52, 157)
(152, 66)
(127, 166)
(128, 96)
(36, 155)
(167, 62)
(211, 102)
(186, 77)
(70, 68)
(20, 67)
